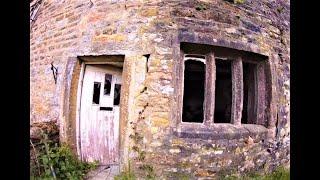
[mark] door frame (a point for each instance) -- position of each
(78, 107)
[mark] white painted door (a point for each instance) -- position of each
(99, 114)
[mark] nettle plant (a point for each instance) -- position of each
(54, 161)
(137, 138)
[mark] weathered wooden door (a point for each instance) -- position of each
(99, 114)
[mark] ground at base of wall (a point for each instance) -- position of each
(280, 173)
(103, 173)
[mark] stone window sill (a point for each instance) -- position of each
(219, 131)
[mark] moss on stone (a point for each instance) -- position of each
(108, 38)
(239, 1)
(150, 12)
(179, 175)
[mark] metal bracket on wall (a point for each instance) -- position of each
(54, 72)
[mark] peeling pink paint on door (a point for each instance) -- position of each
(101, 144)
(99, 123)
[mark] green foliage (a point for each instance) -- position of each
(179, 175)
(148, 170)
(127, 174)
(135, 148)
(239, 1)
(136, 137)
(141, 153)
(279, 174)
(201, 7)
(58, 162)
(280, 9)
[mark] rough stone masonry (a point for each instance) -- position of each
(150, 34)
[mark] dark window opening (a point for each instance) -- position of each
(117, 91)
(249, 92)
(193, 94)
(107, 84)
(96, 93)
(223, 93)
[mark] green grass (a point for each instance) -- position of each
(125, 175)
(279, 174)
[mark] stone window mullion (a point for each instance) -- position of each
(260, 94)
(237, 91)
(210, 89)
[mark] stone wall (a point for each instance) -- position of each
(67, 29)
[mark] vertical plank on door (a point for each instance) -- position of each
(99, 129)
